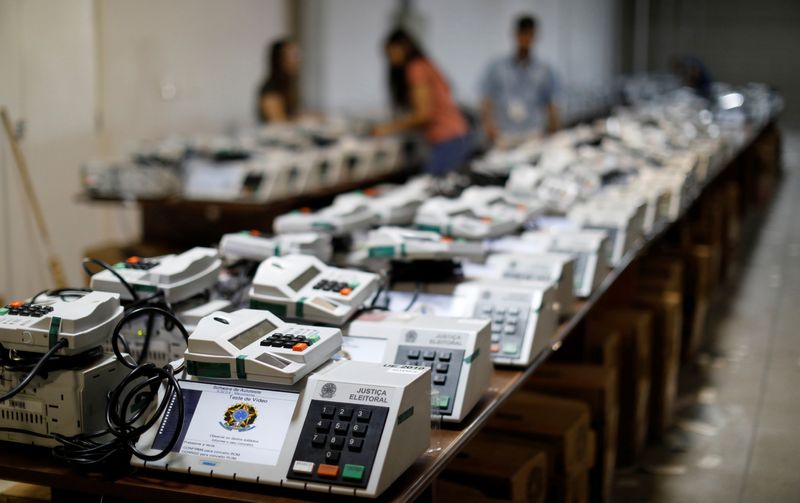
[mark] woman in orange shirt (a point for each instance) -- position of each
(422, 96)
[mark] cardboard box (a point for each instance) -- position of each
(558, 425)
(664, 269)
(635, 328)
(593, 384)
(602, 346)
(25, 493)
(597, 386)
(445, 491)
(501, 468)
(570, 489)
(666, 350)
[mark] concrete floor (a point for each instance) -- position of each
(737, 436)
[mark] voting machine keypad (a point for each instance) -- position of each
(445, 365)
(137, 263)
(509, 322)
(289, 341)
(18, 308)
(338, 443)
(342, 287)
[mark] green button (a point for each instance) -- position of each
(245, 233)
(441, 402)
(3, 311)
(313, 339)
(510, 348)
(119, 265)
(353, 472)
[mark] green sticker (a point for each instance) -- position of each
(55, 327)
(381, 252)
(240, 372)
(405, 415)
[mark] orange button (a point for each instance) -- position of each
(328, 471)
(446, 239)
(16, 304)
(495, 348)
(305, 209)
(254, 232)
(133, 260)
(371, 192)
(346, 291)
(486, 220)
(300, 346)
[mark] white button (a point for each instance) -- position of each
(306, 467)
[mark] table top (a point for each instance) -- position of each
(36, 465)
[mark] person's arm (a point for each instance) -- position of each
(487, 117)
(273, 108)
(488, 89)
(421, 112)
(553, 119)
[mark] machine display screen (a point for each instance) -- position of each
(229, 423)
(250, 335)
(304, 278)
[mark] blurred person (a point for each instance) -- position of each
(519, 91)
(694, 74)
(422, 98)
(279, 96)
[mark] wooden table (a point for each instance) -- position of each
(177, 224)
(35, 465)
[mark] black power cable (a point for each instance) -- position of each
(88, 260)
(34, 371)
(129, 405)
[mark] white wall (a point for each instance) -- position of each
(210, 52)
(344, 70)
(85, 77)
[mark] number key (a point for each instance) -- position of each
(337, 443)
(319, 439)
(363, 415)
(341, 428)
(345, 413)
(359, 430)
(355, 444)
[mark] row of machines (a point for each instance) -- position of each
(318, 356)
(272, 163)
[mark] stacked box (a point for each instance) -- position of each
(514, 471)
(556, 425)
(595, 385)
(666, 308)
(445, 491)
(635, 328)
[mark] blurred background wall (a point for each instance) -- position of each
(89, 79)
(740, 41)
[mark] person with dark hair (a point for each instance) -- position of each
(519, 91)
(278, 96)
(423, 102)
(694, 74)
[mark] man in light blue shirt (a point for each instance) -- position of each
(519, 92)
